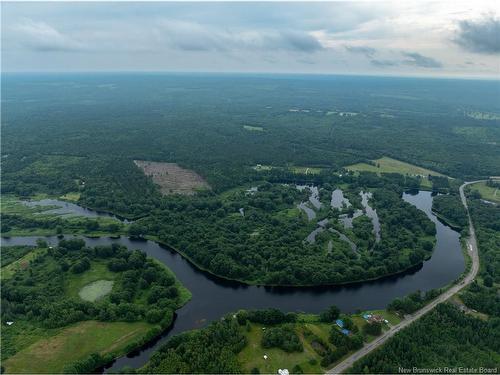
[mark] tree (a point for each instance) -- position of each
(373, 329)
(330, 314)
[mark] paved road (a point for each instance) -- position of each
(473, 251)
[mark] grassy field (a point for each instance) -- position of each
(51, 354)
(253, 128)
(389, 165)
(489, 193)
(97, 272)
(252, 356)
(93, 291)
(71, 197)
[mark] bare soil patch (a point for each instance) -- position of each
(171, 178)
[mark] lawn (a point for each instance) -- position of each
(489, 193)
(252, 356)
(50, 355)
(389, 165)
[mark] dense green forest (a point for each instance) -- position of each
(71, 283)
(257, 234)
(450, 209)
(445, 337)
(483, 295)
(67, 133)
(266, 244)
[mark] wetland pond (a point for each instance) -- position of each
(212, 297)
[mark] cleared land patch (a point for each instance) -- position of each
(171, 178)
(50, 355)
(487, 192)
(20, 264)
(389, 165)
(93, 291)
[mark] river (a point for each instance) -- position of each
(214, 297)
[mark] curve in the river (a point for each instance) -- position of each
(213, 297)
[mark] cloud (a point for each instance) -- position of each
(299, 41)
(368, 52)
(383, 63)
(481, 36)
(191, 36)
(42, 37)
(416, 59)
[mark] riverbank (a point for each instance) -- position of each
(470, 276)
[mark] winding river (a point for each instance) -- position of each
(213, 297)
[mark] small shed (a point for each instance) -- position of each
(340, 323)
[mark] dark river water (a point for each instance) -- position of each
(213, 297)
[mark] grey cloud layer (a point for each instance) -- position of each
(363, 50)
(170, 34)
(290, 37)
(481, 36)
(416, 59)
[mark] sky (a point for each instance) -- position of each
(414, 38)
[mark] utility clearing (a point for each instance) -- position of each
(171, 178)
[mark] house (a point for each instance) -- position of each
(10, 323)
(345, 331)
(340, 323)
(265, 356)
(283, 372)
(375, 319)
(367, 316)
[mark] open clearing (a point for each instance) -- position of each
(50, 355)
(77, 282)
(306, 170)
(309, 329)
(93, 291)
(171, 178)
(389, 165)
(487, 192)
(20, 264)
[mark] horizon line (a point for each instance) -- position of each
(423, 76)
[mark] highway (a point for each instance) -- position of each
(473, 252)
